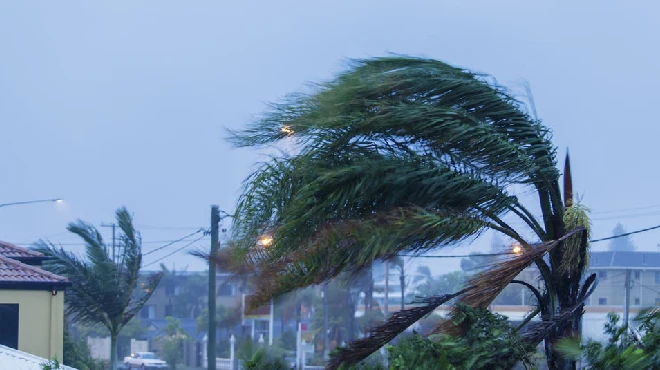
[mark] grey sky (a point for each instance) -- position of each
(110, 103)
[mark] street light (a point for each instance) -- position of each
(55, 200)
(516, 249)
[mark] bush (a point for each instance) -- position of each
(77, 355)
(625, 349)
(490, 343)
(262, 360)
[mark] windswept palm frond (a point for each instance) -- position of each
(539, 331)
(353, 245)
(488, 284)
(384, 333)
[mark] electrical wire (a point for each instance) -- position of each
(152, 227)
(627, 209)
(625, 234)
(175, 251)
(508, 253)
(172, 242)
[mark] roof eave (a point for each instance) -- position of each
(34, 285)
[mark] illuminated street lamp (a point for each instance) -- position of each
(55, 200)
(516, 249)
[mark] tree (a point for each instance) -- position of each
(625, 349)
(621, 244)
(172, 342)
(225, 317)
(77, 355)
(103, 290)
(399, 155)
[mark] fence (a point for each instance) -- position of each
(222, 363)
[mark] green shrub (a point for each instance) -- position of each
(262, 360)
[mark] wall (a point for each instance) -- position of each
(40, 321)
(99, 347)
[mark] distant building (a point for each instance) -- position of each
(612, 267)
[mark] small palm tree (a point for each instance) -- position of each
(103, 290)
(408, 155)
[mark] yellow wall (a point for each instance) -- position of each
(40, 321)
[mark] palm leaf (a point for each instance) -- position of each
(384, 333)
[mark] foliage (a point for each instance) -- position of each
(172, 342)
(490, 343)
(103, 289)
(443, 284)
(621, 244)
(342, 325)
(192, 292)
(288, 340)
(51, 365)
(625, 349)
(76, 354)
(262, 360)
(225, 317)
(406, 155)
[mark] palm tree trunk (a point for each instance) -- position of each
(113, 351)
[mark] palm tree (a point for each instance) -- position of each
(401, 154)
(103, 291)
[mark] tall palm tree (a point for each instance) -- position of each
(103, 290)
(402, 154)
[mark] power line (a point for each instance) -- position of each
(153, 227)
(80, 244)
(627, 209)
(172, 242)
(625, 234)
(647, 214)
(508, 253)
(175, 251)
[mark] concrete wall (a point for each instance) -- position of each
(40, 321)
(99, 347)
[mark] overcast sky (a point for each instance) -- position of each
(111, 103)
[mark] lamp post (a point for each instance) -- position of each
(55, 200)
(266, 241)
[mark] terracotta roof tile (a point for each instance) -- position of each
(15, 271)
(14, 251)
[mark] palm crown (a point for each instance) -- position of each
(402, 154)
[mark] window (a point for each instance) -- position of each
(168, 310)
(170, 288)
(657, 301)
(637, 274)
(657, 277)
(225, 290)
(9, 325)
(602, 275)
(636, 301)
(602, 301)
(148, 312)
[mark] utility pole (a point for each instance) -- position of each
(210, 349)
(626, 311)
(113, 226)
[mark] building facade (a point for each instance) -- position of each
(31, 303)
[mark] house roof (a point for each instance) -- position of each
(21, 254)
(625, 260)
(17, 275)
(18, 360)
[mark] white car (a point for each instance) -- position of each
(144, 361)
